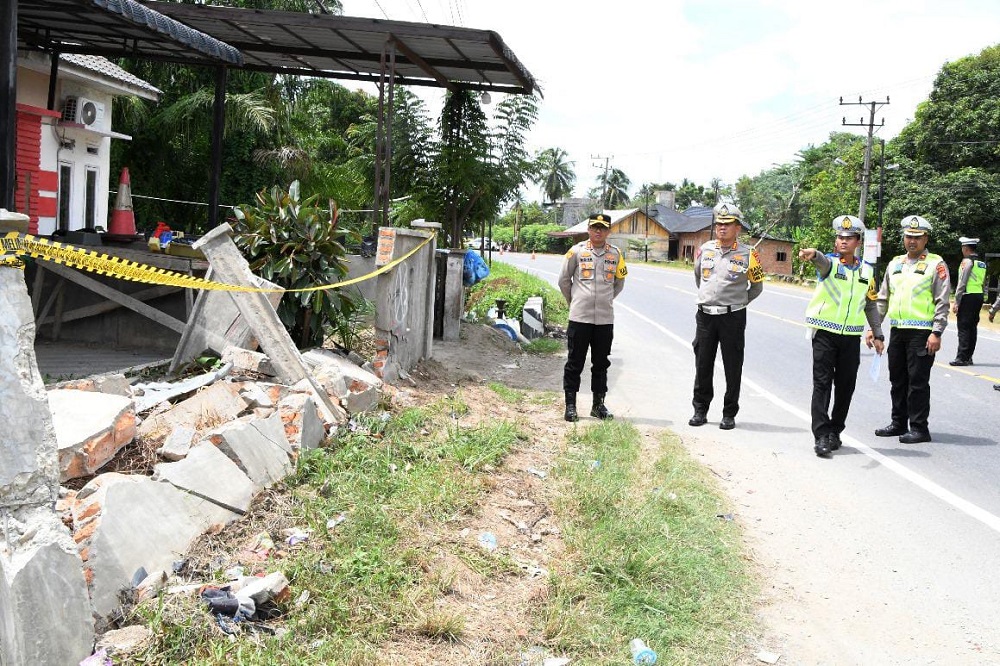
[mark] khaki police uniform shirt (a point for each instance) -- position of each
(590, 280)
(940, 291)
(727, 276)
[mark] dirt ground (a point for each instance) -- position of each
(496, 613)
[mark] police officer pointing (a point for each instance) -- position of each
(968, 303)
(728, 275)
(914, 296)
(593, 274)
(844, 299)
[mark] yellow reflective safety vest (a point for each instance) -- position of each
(838, 305)
(911, 295)
(977, 277)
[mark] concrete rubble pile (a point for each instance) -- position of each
(216, 449)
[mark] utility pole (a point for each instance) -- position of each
(866, 170)
(604, 179)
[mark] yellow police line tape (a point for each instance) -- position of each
(14, 245)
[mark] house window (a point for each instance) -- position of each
(90, 212)
(782, 255)
(65, 189)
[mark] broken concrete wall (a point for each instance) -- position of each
(45, 615)
(404, 303)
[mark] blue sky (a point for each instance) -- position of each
(676, 89)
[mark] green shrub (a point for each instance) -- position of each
(515, 287)
(297, 244)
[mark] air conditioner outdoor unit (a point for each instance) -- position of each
(82, 110)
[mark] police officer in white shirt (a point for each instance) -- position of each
(728, 275)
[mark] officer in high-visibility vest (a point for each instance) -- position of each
(915, 297)
(844, 299)
(968, 304)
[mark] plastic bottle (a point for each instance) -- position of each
(641, 653)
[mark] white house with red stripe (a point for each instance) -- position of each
(63, 159)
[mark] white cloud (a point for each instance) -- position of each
(713, 88)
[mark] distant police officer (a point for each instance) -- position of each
(914, 295)
(968, 303)
(844, 298)
(593, 274)
(728, 275)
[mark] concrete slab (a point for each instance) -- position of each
(302, 425)
(90, 429)
(258, 448)
(209, 474)
(216, 404)
(130, 522)
(357, 389)
(46, 617)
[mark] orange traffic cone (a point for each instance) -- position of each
(122, 218)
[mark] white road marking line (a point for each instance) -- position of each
(968, 508)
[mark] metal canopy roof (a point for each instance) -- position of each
(343, 47)
(115, 28)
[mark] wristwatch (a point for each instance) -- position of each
(880, 338)
(937, 333)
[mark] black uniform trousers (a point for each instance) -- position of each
(909, 377)
(969, 309)
(836, 358)
(711, 332)
(580, 338)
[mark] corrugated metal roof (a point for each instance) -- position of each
(345, 47)
(105, 67)
(115, 28)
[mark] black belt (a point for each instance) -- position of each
(719, 309)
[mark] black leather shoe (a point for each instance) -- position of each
(891, 430)
(959, 361)
(823, 448)
(699, 419)
(727, 423)
(914, 437)
(996, 387)
(834, 440)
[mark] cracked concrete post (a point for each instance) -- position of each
(229, 266)
(45, 611)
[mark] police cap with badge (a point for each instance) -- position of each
(727, 213)
(599, 220)
(914, 225)
(848, 225)
(965, 240)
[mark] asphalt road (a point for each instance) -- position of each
(916, 527)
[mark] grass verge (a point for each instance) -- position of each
(647, 556)
(516, 287)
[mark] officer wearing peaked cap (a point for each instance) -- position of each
(844, 299)
(728, 275)
(592, 276)
(968, 304)
(914, 296)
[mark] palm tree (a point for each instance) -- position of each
(555, 174)
(616, 190)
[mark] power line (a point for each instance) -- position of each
(379, 5)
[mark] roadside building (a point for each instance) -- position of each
(63, 159)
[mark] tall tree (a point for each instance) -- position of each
(477, 165)
(616, 189)
(554, 172)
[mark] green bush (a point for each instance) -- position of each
(515, 287)
(296, 243)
